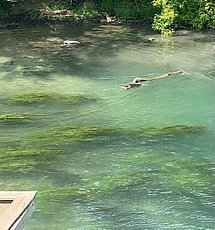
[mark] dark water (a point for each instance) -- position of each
(113, 159)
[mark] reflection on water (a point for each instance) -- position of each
(101, 157)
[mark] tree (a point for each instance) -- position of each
(197, 14)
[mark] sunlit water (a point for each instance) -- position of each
(120, 181)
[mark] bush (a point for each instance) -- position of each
(197, 14)
(5, 9)
(164, 21)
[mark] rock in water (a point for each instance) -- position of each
(69, 43)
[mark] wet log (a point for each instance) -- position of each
(139, 80)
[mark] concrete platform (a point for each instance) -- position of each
(15, 208)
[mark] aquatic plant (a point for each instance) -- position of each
(10, 153)
(9, 161)
(73, 134)
(13, 159)
(161, 173)
(174, 173)
(174, 129)
(194, 173)
(31, 98)
(17, 118)
(175, 178)
(90, 188)
(15, 166)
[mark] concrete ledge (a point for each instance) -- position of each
(15, 208)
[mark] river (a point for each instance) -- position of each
(102, 157)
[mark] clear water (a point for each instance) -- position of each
(118, 181)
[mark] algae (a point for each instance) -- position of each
(174, 129)
(107, 183)
(35, 98)
(187, 180)
(150, 170)
(14, 166)
(101, 183)
(72, 134)
(93, 187)
(194, 173)
(172, 172)
(17, 118)
(11, 153)
(157, 173)
(12, 160)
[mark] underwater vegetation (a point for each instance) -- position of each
(17, 118)
(13, 159)
(36, 98)
(49, 142)
(188, 180)
(95, 185)
(160, 173)
(176, 171)
(7, 153)
(73, 134)
(174, 129)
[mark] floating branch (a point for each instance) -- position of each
(139, 80)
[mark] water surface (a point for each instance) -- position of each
(92, 162)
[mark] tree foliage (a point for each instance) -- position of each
(5, 8)
(166, 15)
(164, 20)
(197, 14)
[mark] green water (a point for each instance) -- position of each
(101, 157)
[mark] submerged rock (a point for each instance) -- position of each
(151, 39)
(70, 43)
(12, 25)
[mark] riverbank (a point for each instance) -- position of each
(51, 14)
(162, 16)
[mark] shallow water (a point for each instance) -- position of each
(112, 179)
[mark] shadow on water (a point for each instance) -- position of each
(40, 53)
